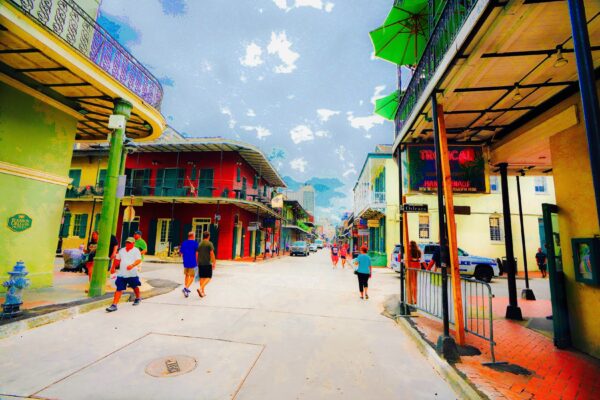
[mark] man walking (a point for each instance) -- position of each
(128, 259)
(141, 245)
(334, 254)
(206, 262)
(189, 252)
(540, 259)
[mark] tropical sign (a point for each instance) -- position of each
(19, 222)
(467, 167)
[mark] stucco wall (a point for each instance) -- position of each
(37, 136)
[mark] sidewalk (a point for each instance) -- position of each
(551, 373)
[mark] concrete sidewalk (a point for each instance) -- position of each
(291, 329)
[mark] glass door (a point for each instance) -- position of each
(560, 311)
(163, 235)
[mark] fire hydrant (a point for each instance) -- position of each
(14, 290)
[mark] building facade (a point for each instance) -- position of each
(216, 185)
(62, 77)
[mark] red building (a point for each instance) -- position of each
(216, 185)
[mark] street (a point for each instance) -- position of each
(291, 328)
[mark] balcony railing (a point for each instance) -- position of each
(75, 192)
(372, 200)
(451, 20)
(72, 24)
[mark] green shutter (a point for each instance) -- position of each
(146, 188)
(66, 225)
(97, 221)
(239, 174)
(83, 226)
(214, 237)
(151, 238)
(255, 183)
(175, 233)
(75, 175)
(102, 178)
(160, 176)
(206, 181)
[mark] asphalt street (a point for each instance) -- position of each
(292, 328)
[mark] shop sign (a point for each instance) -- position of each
(363, 232)
(19, 222)
(416, 208)
(467, 166)
(373, 223)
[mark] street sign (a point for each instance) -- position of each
(414, 208)
(462, 210)
(121, 186)
(19, 222)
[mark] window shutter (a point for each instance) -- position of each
(97, 221)
(102, 178)
(160, 177)
(151, 238)
(83, 226)
(75, 175)
(66, 225)
(239, 174)
(175, 233)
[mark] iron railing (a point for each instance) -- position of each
(451, 20)
(73, 25)
(75, 192)
(477, 296)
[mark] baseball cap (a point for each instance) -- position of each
(138, 232)
(130, 240)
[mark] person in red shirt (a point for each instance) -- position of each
(343, 255)
(335, 250)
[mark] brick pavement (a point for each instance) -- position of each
(555, 374)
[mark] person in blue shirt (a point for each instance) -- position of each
(189, 252)
(363, 271)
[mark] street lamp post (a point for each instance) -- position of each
(526, 293)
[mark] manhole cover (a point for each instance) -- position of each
(166, 367)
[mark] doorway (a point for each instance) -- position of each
(163, 235)
(199, 226)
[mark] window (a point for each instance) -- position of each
(494, 184)
(200, 225)
(239, 174)
(423, 226)
(540, 185)
(102, 178)
(206, 182)
(496, 234)
(138, 182)
(79, 225)
(169, 182)
(75, 175)
(244, 188)
(255, 183)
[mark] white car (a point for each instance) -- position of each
(313, 247)
(481, 268)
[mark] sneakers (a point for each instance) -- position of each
(113, 307)
(186, 292)
(136, 302)
(367, 296)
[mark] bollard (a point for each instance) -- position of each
(14, 291)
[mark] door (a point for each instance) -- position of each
(129, 229)
(205, 188)
(239, 240)
(558, 295)
(199, 226)
(542, 234)
(163, 229)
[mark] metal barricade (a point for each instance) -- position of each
(424, 292)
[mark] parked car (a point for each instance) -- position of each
(299, 247)
(481, 268)
(319, 243)
(313, 247)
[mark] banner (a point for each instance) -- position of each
(277, 201)
(467, 166)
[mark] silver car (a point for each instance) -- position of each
(299, 247)
(313, 248)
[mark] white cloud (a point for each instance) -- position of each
(377, 93)
(324, 114)
(243, 78)
(261, 133)
(365, 123)
(250, 113)
(206, 66)
(350, 170)
(299, 164)
(281, 46)
(301, 133)
(252, 58)
(318, 4)
(227, 111)
(341, 152)
(322, 134)
(291, 96)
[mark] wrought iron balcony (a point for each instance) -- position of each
(73, 25)
(452, 19)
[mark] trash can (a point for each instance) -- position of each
(504, 266)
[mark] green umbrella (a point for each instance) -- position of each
(387, 106)
(404, 34)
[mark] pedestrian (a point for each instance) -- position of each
(113, 249)
(267, 248)
(540, 259)
(343, 255)
(128, 258)
(189, 252)
(435, 261)
(206, 262)
(91, 252)
(334, 254)
(414, 264)
(287, 247)
(363, 271)
(141, 245)
(275, 249)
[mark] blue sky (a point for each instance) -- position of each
(296, 78)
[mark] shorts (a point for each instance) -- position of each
(343, 257)
(205, 271)
(123, 282)
(334, 258)
(189, 271)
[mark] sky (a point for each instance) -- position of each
(297, 78)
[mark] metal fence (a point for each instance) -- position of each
(424, 292)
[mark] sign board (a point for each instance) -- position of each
(132, 201)
(19, 222)
(128, 214)
(277, 201)
(121, 186)
(462, 210)
(373, 223)
(414, 208)
(467, 166)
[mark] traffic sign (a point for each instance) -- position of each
(416, 208)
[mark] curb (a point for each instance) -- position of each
(14, 328)
(460, 385)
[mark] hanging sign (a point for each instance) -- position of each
(467, 167)
(373, 223)
(19, 222)
(277, 201)
(128, 214)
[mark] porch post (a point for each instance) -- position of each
(587, 87)
(404, 309)
(98, 281)
(445, 344)
(512, 310)
(526, 293)
(115, 220)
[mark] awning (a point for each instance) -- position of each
(295, 227)
(387, 106)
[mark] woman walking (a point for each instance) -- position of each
(414, 264)
(363, 271)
